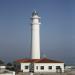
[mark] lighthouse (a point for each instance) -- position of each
(37, 64)
(35, 36)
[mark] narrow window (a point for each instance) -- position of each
(42, 67)
(37, 67)
(49, 67)
(26, 67)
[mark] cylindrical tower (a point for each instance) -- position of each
(35, 36)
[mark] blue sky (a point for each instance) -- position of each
(57, 29)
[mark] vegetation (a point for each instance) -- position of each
(1, 62)
(9, 64)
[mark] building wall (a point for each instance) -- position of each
(12, 73)
(46, 65)
(23, 67)
(2, 67)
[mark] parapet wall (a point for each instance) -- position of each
(12, 73)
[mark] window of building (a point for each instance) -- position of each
(57, 67)
(37, 67)
(26, 67)
(42, 67)
(49, 67)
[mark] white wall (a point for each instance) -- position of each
(2, 67)
(23, 67)
(45, 67)
(12, 73)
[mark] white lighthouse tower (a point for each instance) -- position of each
(35, 36)
(32, 65)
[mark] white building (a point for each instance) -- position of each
(36, 63)
(2, 66)
(4, 71)
(41, 65)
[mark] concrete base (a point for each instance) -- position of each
(31, 73)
